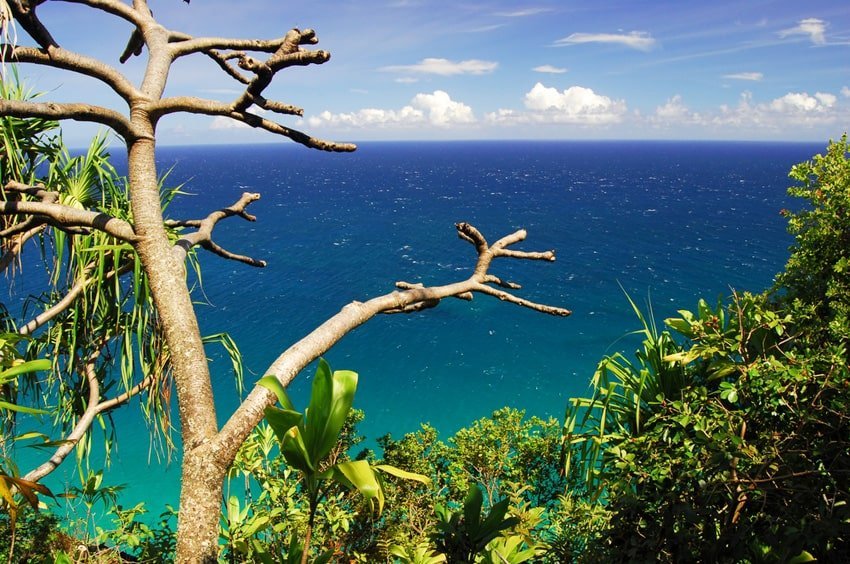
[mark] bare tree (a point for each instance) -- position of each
(208, 447)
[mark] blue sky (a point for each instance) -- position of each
(433, 69)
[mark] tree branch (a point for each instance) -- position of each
(285, 52)
(68, 299)
(24, 13)
(14, 249)
(183, 44)
(60, 306)
(67, 60)
(94, 407)
(289, 54)
(76, 112)
(213, 108)
(66, 217)
(203, 236)
(221, 61)
(20, 228)
(412, 297)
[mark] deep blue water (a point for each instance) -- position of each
(672, 220)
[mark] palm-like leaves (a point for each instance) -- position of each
(97, 290)
(625, 396)
(27, 143)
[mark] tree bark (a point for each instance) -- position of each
(200, 496)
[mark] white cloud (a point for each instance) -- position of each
(445, 67)
(221, 122)
(485, 28)
(826, 99)
(801, 102)
(575, 105)
(369, 117)
(549, 69)
(406, 80)
(523, 13)
(674, 111)
(813, 27)
(798, 109)
(792, 110)
(640, 40)
(754, 76)
(436, 109)
(441, 110)
(845, 92)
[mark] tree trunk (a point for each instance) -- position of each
(201, 488)
(200, 506)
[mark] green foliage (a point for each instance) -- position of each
(36, 536)
(749, 461)
(129, 535)
(307, 440)
(13, 489)
(626, 396)
(28, 143)
(421, 553)
(463, 534)
(513, 458)
(274, 506)
(269, 513)
(817, 276)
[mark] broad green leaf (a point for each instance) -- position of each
(295, 452)
(802, 557)
(496, 521)
(282, 420)
(233, 509)
(472, 507)
(403, 474)
(273, 385)
(62, 558)
(286, 425)
(31, 435)
(330, 402)
(362, 477)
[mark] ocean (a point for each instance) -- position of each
(665, 222)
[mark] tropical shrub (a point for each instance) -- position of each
(728, 438)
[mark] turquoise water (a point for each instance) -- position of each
(674, 221)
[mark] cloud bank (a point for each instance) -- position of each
(436, 109)
(575, 105)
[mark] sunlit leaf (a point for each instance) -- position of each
(360, 474)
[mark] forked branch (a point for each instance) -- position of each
(408, 298)
(285, 52)
(203, 236)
